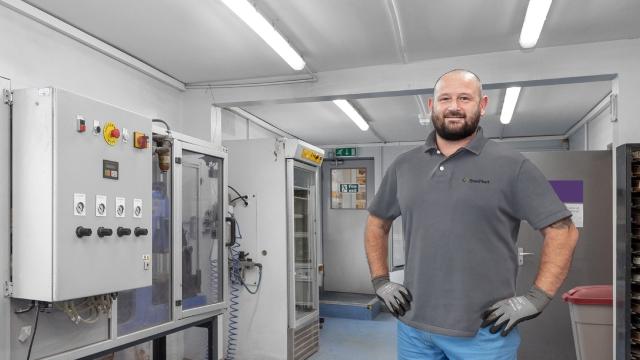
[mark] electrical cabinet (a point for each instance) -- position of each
(81, 197)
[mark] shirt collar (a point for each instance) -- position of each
(475, 146)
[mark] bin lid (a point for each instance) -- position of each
(590, 295)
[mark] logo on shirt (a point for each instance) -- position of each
(467, 180)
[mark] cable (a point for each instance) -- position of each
(257, 285)
(234, 275)
(27, 309)
(163, 122)
(240, 196)
(35, 328)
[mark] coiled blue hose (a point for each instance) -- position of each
(236, 283)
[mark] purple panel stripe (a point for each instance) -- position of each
(569, 191)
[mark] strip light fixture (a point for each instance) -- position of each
(352, 113)
(509, 104)
(533, 21)
(247, 13)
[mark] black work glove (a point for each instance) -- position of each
(394, 296)
(510, 312)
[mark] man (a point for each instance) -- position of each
(462, 197)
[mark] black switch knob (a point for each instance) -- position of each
(140, 231)
(123, 231)
(102, 232)
(82, 231)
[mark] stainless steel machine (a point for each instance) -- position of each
(119, 230)
(279, 227)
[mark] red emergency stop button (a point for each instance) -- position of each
(115, 133)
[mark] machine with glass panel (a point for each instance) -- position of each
(279, 227)
(161, 268)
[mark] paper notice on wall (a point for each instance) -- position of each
(577, 212)
(571, 193)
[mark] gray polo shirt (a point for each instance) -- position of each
(460, 217)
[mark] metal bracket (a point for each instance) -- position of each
(178, 160)
(8, 289)
(7, 96)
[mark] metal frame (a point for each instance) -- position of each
(179, 147)
(291, 280)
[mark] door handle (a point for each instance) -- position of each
(521, 255)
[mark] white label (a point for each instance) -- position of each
(146, 262)
(577, 212)
(79, 204)
(101, 205)
(125, 135)
(120, 207)
(96, 127)
(137, 208)
(44, 91)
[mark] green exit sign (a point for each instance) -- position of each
(346, 152)
(348, 188)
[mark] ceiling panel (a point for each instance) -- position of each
(336, 34)
(203, 40)
(318, 123)
(436, 29)
(583, 21)
(191, 40)
(395, 118)
(553, 110)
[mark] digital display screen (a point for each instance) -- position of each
(110, 169)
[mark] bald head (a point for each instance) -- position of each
(458, 75)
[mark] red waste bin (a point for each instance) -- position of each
(591, 309)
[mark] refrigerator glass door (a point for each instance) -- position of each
(304, 243)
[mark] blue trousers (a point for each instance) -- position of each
(416, 344)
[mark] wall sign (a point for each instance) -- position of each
(571, 193)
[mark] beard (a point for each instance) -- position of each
(455, 132)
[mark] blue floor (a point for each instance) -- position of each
(358, 339)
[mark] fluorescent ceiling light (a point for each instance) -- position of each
(268, 33)
(355, 116)
(509, 104)
(533, 21)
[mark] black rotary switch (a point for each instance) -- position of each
(102, 232)
(82, 231)
(123, 231)
(140, 231)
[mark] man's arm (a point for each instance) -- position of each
(394, 296)
(376, 244)
(560, 239)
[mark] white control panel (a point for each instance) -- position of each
(81, 197)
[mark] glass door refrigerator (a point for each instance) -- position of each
(302, 210)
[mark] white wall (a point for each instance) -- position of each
(596, 134)
(578, 140)
(235, 127)
(600, 131)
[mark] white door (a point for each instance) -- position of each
(347, 190)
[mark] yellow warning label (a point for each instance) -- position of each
(311, 156)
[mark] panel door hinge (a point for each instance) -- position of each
(178, 160)
(8, 289)
(7, 96)
(614, 107)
